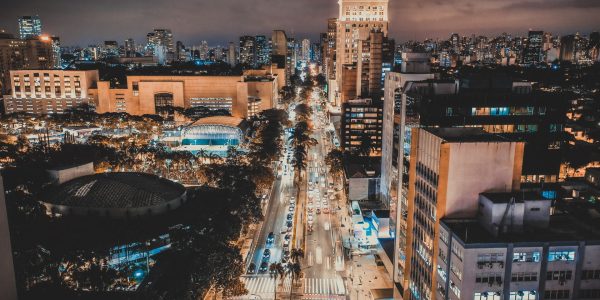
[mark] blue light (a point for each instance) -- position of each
(138, 274)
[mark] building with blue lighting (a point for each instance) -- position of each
(213, 135)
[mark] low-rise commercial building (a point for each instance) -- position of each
(516, 250)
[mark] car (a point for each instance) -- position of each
(287, 237)
(326, 210)
(266, 255)
(290, 216)
(293, 199)
(289, 224)
(251, 268)
(286, 243)
(286, 254)
(318, 211)
(291, 208)
(271, 238)
(264, 266)
(310, 218)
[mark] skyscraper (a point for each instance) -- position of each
(357, 19)
(56, 52)
(263, 51)
(306, 50)
(449, 168)
(280, 53)
(130, 48)
(160, 44)
(231, 55)
(534, 50)
(29, 26)
(247, 50)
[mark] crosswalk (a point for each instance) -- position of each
(313, 288)
(324, 286)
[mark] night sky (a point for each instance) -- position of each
(82, 22)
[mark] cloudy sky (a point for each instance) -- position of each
(82, 22)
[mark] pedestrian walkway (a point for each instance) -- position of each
(324, 287)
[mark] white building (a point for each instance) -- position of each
(517, 251)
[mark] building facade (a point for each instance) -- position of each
(30, 27)
(356, 20)
(362, 119)
(449, 168)
(42, 92)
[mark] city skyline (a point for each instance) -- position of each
(192, 22)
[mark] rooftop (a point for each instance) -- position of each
(564, 227)
(115, 190)
(219, 120)
(466, 135)
(504, 197)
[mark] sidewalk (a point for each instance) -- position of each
(365, 276)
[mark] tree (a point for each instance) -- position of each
(276, 270)
(295, 271)
(335, 161)
(296, 254)
(303, 112)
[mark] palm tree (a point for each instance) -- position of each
(335, 161)
(276, 270)
(294, 270)
(296, 254)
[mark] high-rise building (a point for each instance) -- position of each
(160, 44)
(56, 53)
(248, 50)
(329, 46)
(8, 286)
(203, 50)
(129, 48)
(30, 27)
(110, 49)
(449, 168)
(281, 54)
(357, 19)
(534, 50)
(306, 57)
(517, 247)
(397, 123)
(263, 51)
(231, 54)
(501, 105)
(17, 54)
(361, 121)
(567, 48)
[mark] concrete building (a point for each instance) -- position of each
(281, 54)
(231, 54)
(397, 123)
(8, 285)
(361, 120)
(534, 48)
(356, 20)
(42, 92)
(516, 250)
(248, 50)
(160, 44)
(30, 27)
(499, 104)
(150, 94)
(306, 51)
(449, 168)
(263, 51)
(17, 54)
(329, 49)
(54, 91)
